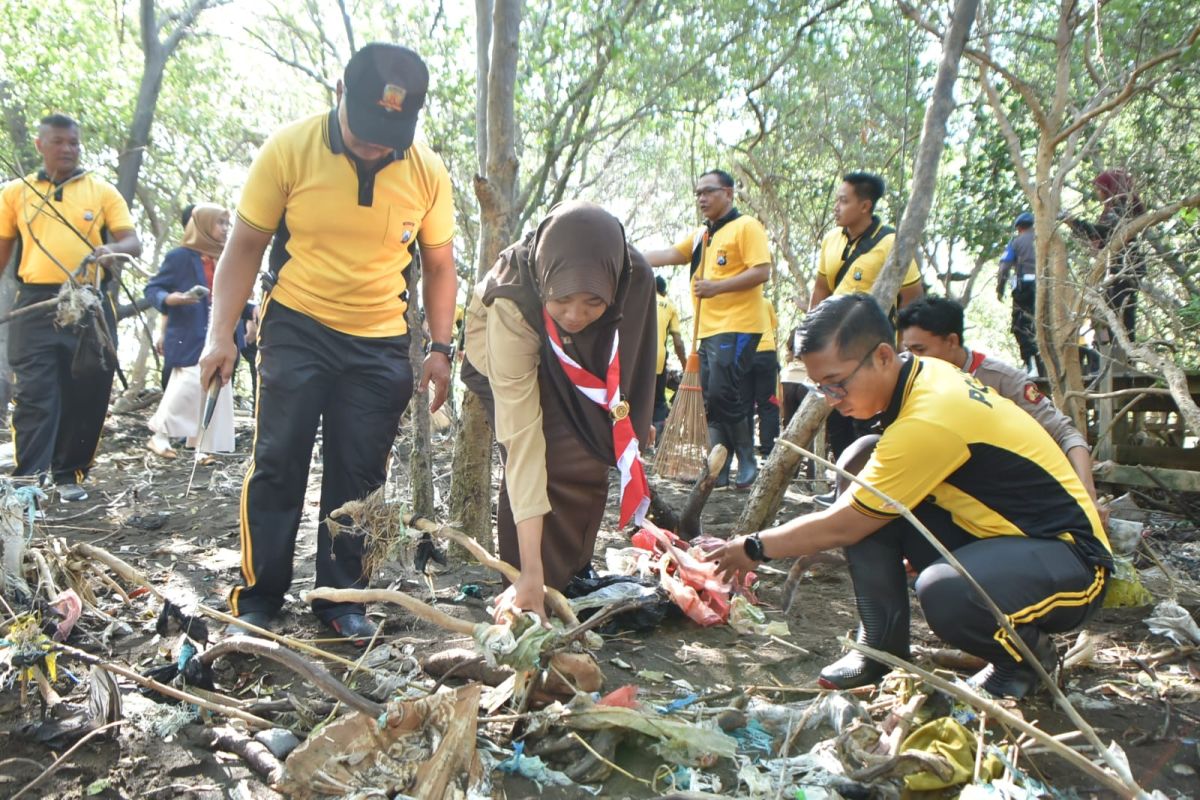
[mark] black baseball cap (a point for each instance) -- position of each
(385, 90)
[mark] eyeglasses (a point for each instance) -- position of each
(837, 391)
(706, 190)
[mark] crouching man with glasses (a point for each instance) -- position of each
(978, 471)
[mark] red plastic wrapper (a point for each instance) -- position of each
(692, 584)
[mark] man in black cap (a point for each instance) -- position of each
(347, 196)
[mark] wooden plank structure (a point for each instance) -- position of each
(1138, 435)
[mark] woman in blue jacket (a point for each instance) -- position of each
(180, 291)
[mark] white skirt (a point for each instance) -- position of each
(179, 412)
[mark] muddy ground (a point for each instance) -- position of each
(1153, 714)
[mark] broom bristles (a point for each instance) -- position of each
(683, 451)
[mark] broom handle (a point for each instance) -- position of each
(693, 364)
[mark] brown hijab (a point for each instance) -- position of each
(200, 233)
(580, 247)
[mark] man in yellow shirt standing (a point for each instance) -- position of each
(668, 325)
(852, 256)
(730, 261)
(346, 194)
(54, 219)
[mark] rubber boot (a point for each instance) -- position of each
(743, 445)
(716, 436)
(1017, 679)
(881, 594)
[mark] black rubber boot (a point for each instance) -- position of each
(854, 669)
(743, 445)
(1017, 679)
(881, 594)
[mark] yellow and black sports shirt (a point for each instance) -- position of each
(30, 213)
(342, 231)
(837, 246)
(668, 322)
(949, 439)
(737, 246)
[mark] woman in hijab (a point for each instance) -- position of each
(560, 348)
(181, 291)
(1114, 188)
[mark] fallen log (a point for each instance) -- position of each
(255, 754)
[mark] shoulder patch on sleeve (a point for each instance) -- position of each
(1032, 393)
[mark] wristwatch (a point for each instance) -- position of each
(754, 548)
(440, 347)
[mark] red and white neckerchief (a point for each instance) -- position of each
(635, 490)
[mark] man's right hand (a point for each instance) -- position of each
(218, 358)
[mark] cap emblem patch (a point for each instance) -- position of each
(393, 97)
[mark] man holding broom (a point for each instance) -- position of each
(730, 261)
(978, 472)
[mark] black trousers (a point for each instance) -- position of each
(725, 362)
(1040, 584)
(661, 409)
(57, 418)
(764, 379)
(1024, 305)
(842, 431)
(355, 388)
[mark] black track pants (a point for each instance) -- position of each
(57, 418)
(356, 388)
(1040, 584)
(725, 362)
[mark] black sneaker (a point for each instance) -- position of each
(72, 493)
(355, 627)
(259, 619)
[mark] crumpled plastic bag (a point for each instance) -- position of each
(749, 619)
(1173, 621)
(518, 644)
(1125, 589)
(954, 744)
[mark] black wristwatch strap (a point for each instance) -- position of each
(754, 548)
(440, 347)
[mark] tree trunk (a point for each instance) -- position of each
(470, 487)
(420, 464)
(130, 162)
(781, 466)
(156, 53)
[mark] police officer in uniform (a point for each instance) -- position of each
(979, 472)
(53, 220)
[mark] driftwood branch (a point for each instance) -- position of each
(331, 686)
(555, 601)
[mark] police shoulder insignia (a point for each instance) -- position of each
(1032, 393)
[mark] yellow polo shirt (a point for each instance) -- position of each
(91, 205)
(866, 268)
(767, 343)
(668, 322)
(736, 247)
(342, 234)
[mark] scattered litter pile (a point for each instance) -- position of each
(518, 698)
